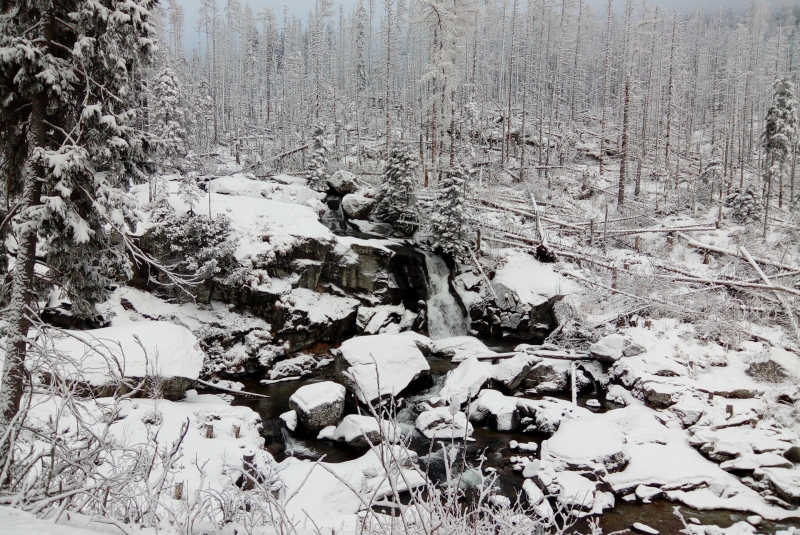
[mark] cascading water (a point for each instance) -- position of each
(445, 316)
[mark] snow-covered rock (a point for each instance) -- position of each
(549, 376)
(658, 394)
(500, 410)
(357, 206)
(570, 447)
(511, 372)
(318, 405)
(331, 489)
(609, 348)
(361, 431)
(158, 349)
(444, 423)
(576, 492)
(459, 348)
(379, 365)
(343, 182)
(298, 366)
(464, 383)
(547, 414)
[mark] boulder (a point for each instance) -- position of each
(306, 317)
(357, 206)
(547, 414)
(609, 348)
(361, 431)
(548, 376)
(576, 492)
(379, 366)
(500, 410)
(297, 366)
(466, 381)
(657, 394)
(444, 423)
(343, 182)
(606, 452)
(459, 348)
(511, 372)
(318, 405)
(169, 354)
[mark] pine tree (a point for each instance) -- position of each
(397, 201)
(188, 190)
(746, 204)
(70, 77)
(448, 218)
(779, 135)
(168, 117)
(317, 173)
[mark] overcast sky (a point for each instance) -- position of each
(301, 8)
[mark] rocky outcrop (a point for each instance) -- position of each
(519, 306)
(343, 182)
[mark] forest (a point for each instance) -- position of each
(418, 266)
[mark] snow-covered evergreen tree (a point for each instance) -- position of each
(779, 135)
(746, 204)
(70, 77)
(168, 117)
(188, 190)
(448, 222)
(397, 201)
(317, 173)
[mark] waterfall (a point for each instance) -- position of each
(445, 317)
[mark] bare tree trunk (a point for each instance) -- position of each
(606, 67)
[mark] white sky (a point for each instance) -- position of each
(301, 8)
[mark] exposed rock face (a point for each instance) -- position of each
(500, 410)
(357, 206)
(343, 182)
(304, 317)
(520, 304)
(318, 405)
(379, 366)
(361, 269)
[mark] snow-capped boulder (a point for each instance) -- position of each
(444, 423)
(343, 182)
(304, 317)
(361, 431)
(785, 482)
(381, 365)
(357, 206)
(511, 372)
(576, 492)
(168, 353)
(466, 381)
(549, 376)
(500, 410)
(609, 348)
(298, 366)
(318, 405)
(547, 414)
(658, 394)
(459, 348)
(570, 447)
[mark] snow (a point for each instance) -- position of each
(320, 308)
(338, 491)
(354, 427)
(464, 383)
(379, 365)
(309, 398)
(502, 409)
(241, 185)
(17, 522)
(531, 281)
(605, 451)
(264, 227)
(458, 348)
(167, 350)
(444, 423)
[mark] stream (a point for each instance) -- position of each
(446, 318)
